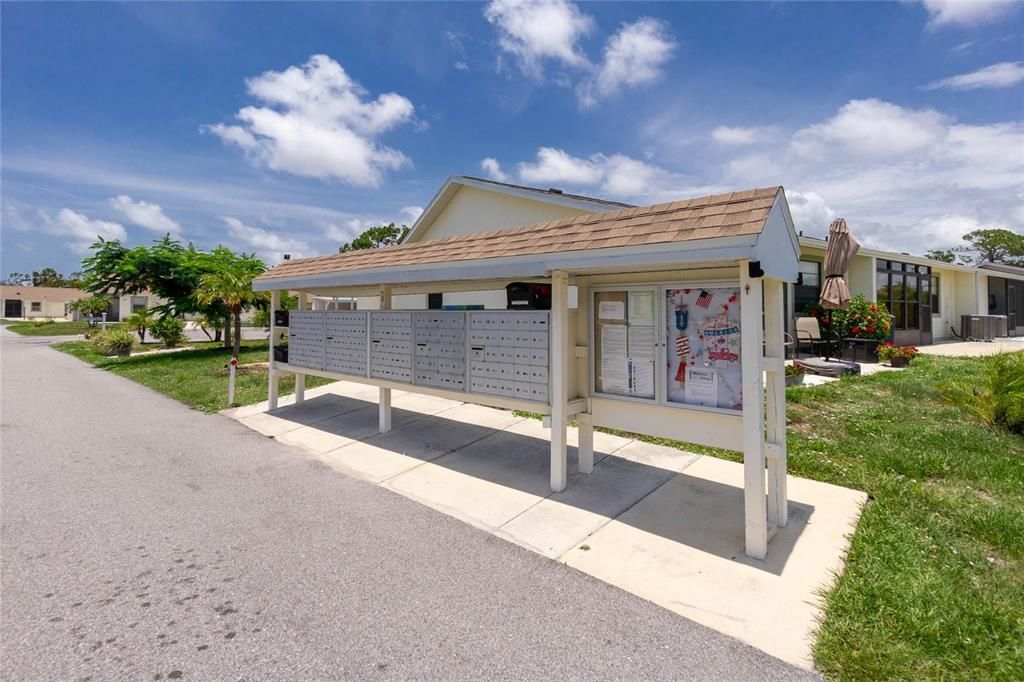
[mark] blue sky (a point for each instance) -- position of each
(287, 128)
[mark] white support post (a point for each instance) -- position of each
(774, 346)
(384, 400)
(579, 336)
(585, 450)
(751, 354)
(300, 379)
(273, 378)
(559, 378)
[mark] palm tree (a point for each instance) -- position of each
(229, 283)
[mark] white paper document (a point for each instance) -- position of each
(611, 310)
(702, 387)
(613, 341)
(641, 342)
(643, 378)
(614, 375)
(641, 307)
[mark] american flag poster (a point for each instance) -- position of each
(703, 328)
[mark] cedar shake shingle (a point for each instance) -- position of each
(733, 214)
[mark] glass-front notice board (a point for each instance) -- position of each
(624, 342)
(703, 347)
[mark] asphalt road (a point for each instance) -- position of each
(142, 540)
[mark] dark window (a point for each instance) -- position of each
(808, 286)
(435, 301)
(37, 307)
(907, 290)
(936, 310)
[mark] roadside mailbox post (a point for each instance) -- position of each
(231, 381)
(665, 320)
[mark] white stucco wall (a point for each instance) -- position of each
(951, 307)
(475, 210)
(861, 277)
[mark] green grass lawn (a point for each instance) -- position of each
(50, 328)
(199, 377)
(934, 581)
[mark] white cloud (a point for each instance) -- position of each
(537, 30)
(317, 122)
(80, 231)
(965, 12)
(900, 197)
(145, 214)
(616, 175)
(455, 40)
(871, 127)
(267, 245)
(633, 56)
(754, 169)
(810, 212)
(554, 166)
(410, 214)
(492, 169)
(347, 229)
(962, 48)
(729, 135)
(1002, 75)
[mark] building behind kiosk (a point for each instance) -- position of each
(664, 320)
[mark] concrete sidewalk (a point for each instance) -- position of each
(663, 524)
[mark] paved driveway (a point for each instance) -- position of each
(142, 540)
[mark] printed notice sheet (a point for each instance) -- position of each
(702, 387)
(611, 310)
(641, 307)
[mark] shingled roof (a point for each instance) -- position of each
(734, 214)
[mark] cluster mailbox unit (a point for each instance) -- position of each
(677, 329)
(502, 354)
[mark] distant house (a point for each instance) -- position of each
(28, 303)
(926, 297)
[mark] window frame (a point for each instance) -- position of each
(35, 306)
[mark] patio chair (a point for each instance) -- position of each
(808, 333)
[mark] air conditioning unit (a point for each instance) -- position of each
(983, 327)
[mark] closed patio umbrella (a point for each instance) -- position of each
(842, 247)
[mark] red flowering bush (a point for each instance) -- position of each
(861, 320)
(887, 351)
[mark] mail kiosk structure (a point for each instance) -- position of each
(664, 320)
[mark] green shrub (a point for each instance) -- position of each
(999, 399)
(114, 341)
(169, 330)
(861, 320)
(140, 321)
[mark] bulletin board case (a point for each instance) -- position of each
(665, 388)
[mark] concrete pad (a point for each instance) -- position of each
(974, 348)
(417, 402)
(335, 432)
(387, 455)
(566, 519)
(604, 443)
(488, 482)
(320, 407)
(269, 424)
(658, 456)
(682, 548)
